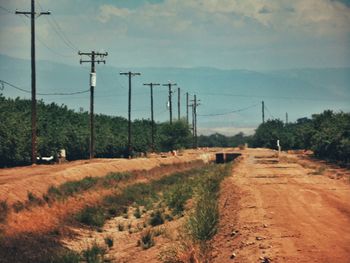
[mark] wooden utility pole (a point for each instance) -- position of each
(32, 14)
(170, 102)
(194, 121)
(152, 117)
(130, 75)
(178, 103)
(92, 60)
(263, 111)
(187, 108)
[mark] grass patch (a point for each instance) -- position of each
(137, 213)
(142, 194)
(67, 256)
(202, 224)
(92, 216)
(156, 218)
(18, 206)
(34, 200)
(146, 240)
(109, 242)
(4, 209)
(95, 254)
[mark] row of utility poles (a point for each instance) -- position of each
(130, 74)
(93, 58)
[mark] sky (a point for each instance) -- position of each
(226, 34)
(253, 35)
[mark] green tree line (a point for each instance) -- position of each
(327, 134)
(61, 128)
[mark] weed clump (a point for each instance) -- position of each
(67, 256)
(137, 213)
(109, 242)
(4, 209)
(18, 206)
(92, 216)
(147, 240)
(33, 199)
(156, 219)
(95, 254)
(177, 196)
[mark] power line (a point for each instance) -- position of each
(270, 97)
(269, 112)
(230, 112)
(45, 94)
(60, 33)
(6, 10)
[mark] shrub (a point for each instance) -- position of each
(67, 256)
(120, 227)
(156, 219)
(95, 254)
(109, 241)
(146, 241)
(18, 206)
(177, 196)
(4, 209)
(33, 199)
(92, 216)
(203, 222)
(137, 213)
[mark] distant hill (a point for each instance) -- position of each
(299, 92)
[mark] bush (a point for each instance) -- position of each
(4, 209)
(177, 197)
(203, 222)
(18, 206)
(67, 256)
(156, 219)
(137, 213)
(147, 240)
(92, 216)
(95, 254)
(109, 241)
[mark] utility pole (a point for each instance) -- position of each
(187, 108)
(170, 102)
(130, 75)
(194, 120)
(92, 60)
(286, 118)
(263, 111)
(178, 103)
(193, 129)
(32, 14)
(152, 117)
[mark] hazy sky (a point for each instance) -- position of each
(237, 34)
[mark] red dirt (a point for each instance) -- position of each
(282, 213)
(15, 183)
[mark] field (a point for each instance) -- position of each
(260, 208)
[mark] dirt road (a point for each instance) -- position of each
(278, 211)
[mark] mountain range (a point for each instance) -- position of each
(230, 100)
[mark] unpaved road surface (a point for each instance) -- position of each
(277, 211)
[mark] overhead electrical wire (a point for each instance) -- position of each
(269, 111)
(6, 10)
(44, 94)
(270, 97)
(226, 113)
(58, 30)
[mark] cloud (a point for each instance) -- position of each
(109, 11)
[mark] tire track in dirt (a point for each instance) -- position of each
(281, 213)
